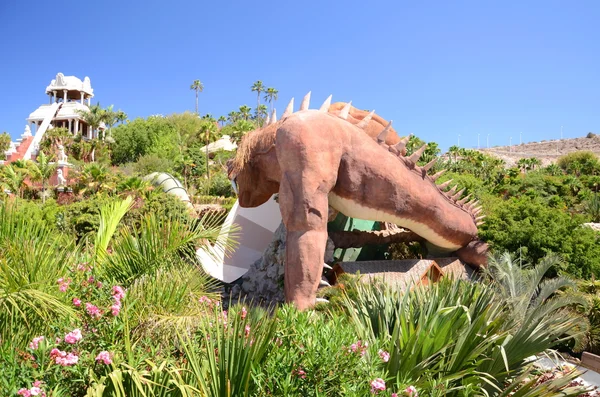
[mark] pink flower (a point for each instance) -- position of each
(104, 356)
(394, 395)
(24, 392)
(93, 311)
(118, 292)
(37, 383)
(377, 385)
(73, 336)
(247, 330)
(82, 268)
(205, 299)
(63, 358)
(99, 284)
(385, 356)
(35, 342)
(63, 284)
(299, 372)
(115, 309)
(76, 302)
(359, 347)
(35, 391)
(411, 391)
(244, 312)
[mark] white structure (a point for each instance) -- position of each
(73, 95)
(222, 144)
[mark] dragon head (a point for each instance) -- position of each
(253, 172)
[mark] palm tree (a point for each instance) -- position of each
(222, 120)
(93, 117)
(257, 87)
(260, 113)
(240, 128)
(271, 96)
(121, 116)
(245, 112)
(197, 86)
(210, 133)
(42, 171)
(95, 177)
(233, 116)
(13, 179)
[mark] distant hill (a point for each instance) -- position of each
(547, 151)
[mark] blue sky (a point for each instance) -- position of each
(437, 68)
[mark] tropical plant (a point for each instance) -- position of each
(245, 112)
(42, 171)
(5, 141)
(94, 117)
(258, 87)
(197, 87)
(12, 178)
(33, 259)
(271, 97)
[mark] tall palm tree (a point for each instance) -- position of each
(198, 87)
(257, 87)
(210, 133)
(260, 114)
(41, 171)
(245, 111)
(222, 120)
(271, 96)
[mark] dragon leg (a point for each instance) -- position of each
(304, 211)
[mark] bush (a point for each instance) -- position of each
(582, 162)
(528, 226)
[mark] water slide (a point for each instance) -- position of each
(255, 229)
(50, 113)
(169, 184)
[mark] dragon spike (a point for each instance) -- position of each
(305, 101)
(274, 116)
(428, 166)
(346, 110)
(480, 218)
(325, 106)
(444, 185)
(365, 122)
(268, 120)
(402, 144)
(383, 134)
(417, 154)
(289, 110)
(451, 192)
(479, 223)
(476, 211)
(435, 176)
(462, 201)
(458, 194)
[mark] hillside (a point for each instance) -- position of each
(547, 151)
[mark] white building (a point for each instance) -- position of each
(66, 96)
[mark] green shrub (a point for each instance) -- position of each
(529, 227)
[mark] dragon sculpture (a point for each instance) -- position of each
(353, 161)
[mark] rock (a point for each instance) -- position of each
(263, 283)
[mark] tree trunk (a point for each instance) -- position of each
(207, 171)
(196, 101)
